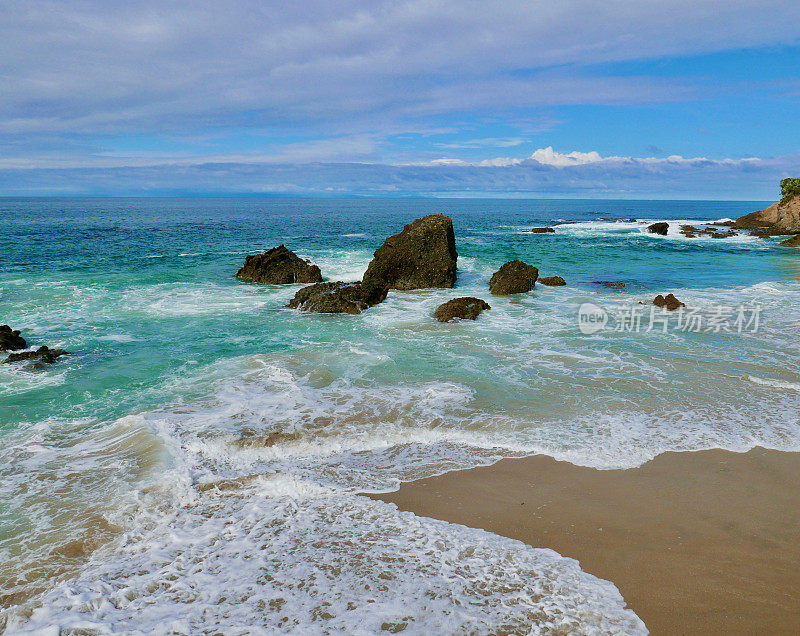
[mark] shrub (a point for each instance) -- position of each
(790, 188)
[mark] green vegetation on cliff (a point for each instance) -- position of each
(789, 188)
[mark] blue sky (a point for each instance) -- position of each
(620, 99)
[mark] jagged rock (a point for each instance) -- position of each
(278, 266)
(10, 340)
(337, 298)
(552, 281)
(422, 255)
(726, 223)
(41, 355)
(670, 302)
(792, 242)
(515, 277)
(690, 231)
(611, 284)
(783, 217)
(467, 308)
(540, 230)
(658, 228)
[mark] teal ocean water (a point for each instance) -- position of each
(195, 464)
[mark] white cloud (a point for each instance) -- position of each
(549, 157)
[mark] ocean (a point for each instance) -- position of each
(195, 465)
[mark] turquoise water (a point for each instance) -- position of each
(182, 376)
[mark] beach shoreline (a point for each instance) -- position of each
(697, 542)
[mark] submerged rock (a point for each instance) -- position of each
(670, 302)
(337, 298)
(552, 281)
(467, 308)
(540, 230)
(514, 277)
(792, 242)
(43, 354)
(10, 340)
(422, 255)
(658, 228)
(611, 284)
(278, 266)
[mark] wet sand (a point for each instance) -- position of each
(698, 543)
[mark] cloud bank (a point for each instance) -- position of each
(545, 173)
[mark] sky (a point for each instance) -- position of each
(556, 98)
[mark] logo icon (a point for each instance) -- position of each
(591, 318)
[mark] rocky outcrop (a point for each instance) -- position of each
(669, 302)
(515, 277)
(783, 217)
(423, 255)
(43, 355)
(278, 266)
(337, 298)
(540, 230)
(792, 242)
(466, 308)
(552, 281)
(689, 231)
(658, 228)
(10, 340)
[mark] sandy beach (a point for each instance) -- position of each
(705, 542)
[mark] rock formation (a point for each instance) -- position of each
(670, 302)
(540, 230)
(10, 340)
(783, 216)
(467, 308)
(422, 255)
(278, 266)
(41, 355)
(793, 241)
(658, 228)
(337, 298)
(515, 277)
(552, 281)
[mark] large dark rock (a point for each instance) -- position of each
(552, 281)
(515, 277)
(467, 308)
(422, 255)
(658, 228)
(540, 230)
(278, 266)
(10, 340)
(670, 302)
(41, 355)
(337, 298)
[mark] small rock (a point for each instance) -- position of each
(278, 266)
(467, 308)
(514, 277)
(540, 230)
(10, 340)
(552, 281)
(337, 298)
(670, 302)
(658, 228)
(41, 355)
